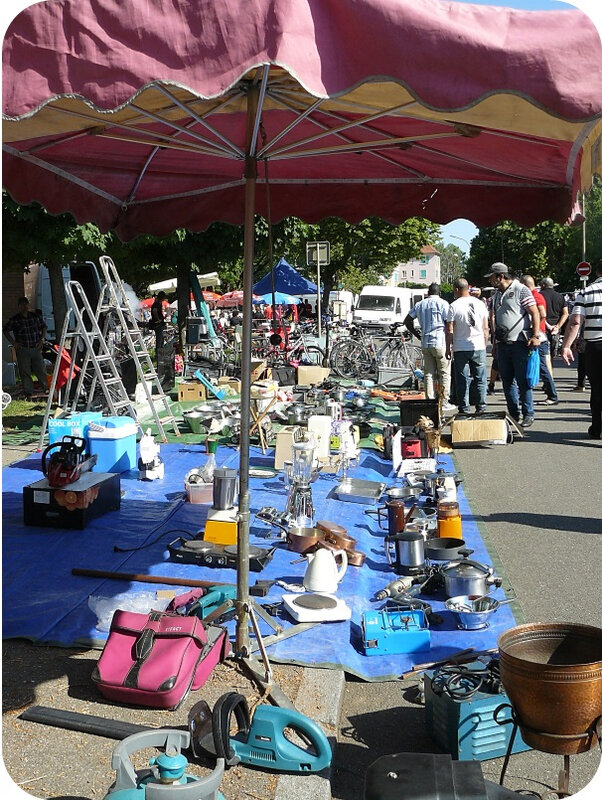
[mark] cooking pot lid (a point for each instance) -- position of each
(466, 569)
(439, 474)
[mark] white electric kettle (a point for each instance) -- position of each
(322, 573)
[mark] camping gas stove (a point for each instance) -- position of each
(209, 554)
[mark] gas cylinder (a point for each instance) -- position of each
(167, 772)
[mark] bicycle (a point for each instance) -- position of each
(364, 354)
(296, 349)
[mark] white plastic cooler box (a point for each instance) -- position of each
(113, 440)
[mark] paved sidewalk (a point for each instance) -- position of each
(537, 503)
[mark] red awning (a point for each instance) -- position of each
(378, 107)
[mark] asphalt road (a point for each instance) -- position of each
(537, 503)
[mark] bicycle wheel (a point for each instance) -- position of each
(354, 361)
(312, 354)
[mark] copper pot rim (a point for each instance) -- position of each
(300, 539)
(531, 631)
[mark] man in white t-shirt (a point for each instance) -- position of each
(468, 329)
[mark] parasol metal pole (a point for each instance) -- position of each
(242, 571)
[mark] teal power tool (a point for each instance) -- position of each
(259, 742)
(166, 779)
(216, 595)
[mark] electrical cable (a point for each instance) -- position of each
(189, 536)
(462, 683)
(177, 505)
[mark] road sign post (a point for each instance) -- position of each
(583, 269)
(318, 253)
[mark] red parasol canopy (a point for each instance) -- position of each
(148, 301)
(231, 299)
(210, 297)
(388, 107)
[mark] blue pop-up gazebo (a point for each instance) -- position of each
(286, 279)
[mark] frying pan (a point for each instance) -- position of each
(445, 548)
(406, 493)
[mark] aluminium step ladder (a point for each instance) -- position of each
(98, 369)
(118, 303)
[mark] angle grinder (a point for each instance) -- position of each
(66, 465)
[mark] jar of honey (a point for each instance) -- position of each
(449, 522)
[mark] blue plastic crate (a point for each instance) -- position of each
(466, 728)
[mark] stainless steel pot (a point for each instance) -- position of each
(338, 394)
(408, 494)
(468, 577)
(298, 414)
(437, 480)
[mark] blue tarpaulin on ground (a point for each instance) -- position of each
(286, 279)
(44, 602)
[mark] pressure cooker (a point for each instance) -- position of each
(468, 577)
(439, 480)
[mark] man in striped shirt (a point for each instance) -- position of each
(516, 333)
(588, 310)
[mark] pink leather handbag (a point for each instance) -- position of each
(155, 659)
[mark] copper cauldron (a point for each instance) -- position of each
(552, 673)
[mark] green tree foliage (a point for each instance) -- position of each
(453, 262)
(545, 249)
(359, 254)
(31, 235)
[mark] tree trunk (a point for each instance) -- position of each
(59, 300)
(183, 275)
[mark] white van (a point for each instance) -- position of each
(381, 306)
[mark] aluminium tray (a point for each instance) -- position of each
(355, 490)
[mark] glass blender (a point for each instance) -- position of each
(300, 505)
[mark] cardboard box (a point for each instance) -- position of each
(233, 383)
(284, 444)
(191, 391)
(491, 428)
(259, 370)
(74, 505)
(310, 376)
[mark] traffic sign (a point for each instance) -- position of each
(318, 253)
(584, 269)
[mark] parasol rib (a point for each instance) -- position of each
(345, 138)
(61, 173)
(301, 116)
(201, 119)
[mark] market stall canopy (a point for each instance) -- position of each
(280, 298)
(286, 279)
(170, 285)
(148, 301)
(138, 121)
(234, 298)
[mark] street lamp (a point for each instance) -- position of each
(460, 239)
(467, 243)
